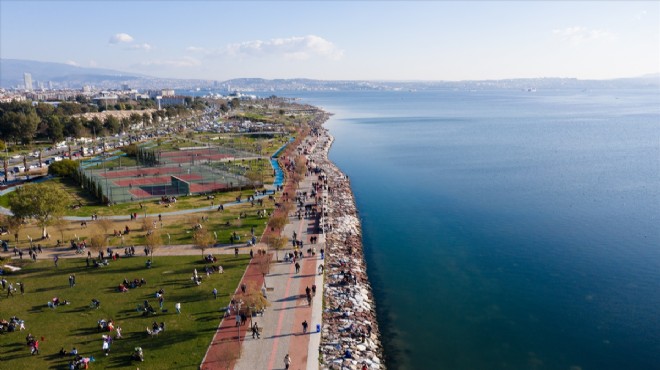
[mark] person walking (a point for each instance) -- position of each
(22, 287)
(215, 293)
(287, 361)
(255, 331)
(297, 267)
(304, 325)
(177, 307)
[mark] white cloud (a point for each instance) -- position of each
(641, 15)
(121, 38)
(577, 35)
(143, 46)
(195, 49)
(72, 63)
(297, 47)
(179, 63)
(93, 63)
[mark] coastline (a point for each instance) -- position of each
(350, 337)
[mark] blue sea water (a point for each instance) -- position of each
(507, 229)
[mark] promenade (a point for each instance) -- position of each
(281, 324)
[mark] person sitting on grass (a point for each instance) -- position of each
(138, 355)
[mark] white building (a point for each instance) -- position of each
(27, 79)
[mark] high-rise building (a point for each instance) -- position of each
(27, 79)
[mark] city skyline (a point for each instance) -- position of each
(340, 40)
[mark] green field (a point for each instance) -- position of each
(182, 345)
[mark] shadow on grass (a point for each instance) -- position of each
(87, 331)
(38, 308)
(16, 356)
(46, 289)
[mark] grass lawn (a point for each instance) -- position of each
(178, 226)
(182, 345)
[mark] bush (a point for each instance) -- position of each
(63, 168)
(130, 150)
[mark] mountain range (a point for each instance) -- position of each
(63, 75)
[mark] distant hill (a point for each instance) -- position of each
(12, 70)
(68, 76)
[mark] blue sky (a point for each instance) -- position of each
(387, 40)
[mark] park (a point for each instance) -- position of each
(146, 279)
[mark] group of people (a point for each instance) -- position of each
(33, 344)
(13, 324)
(156, 328)
(11, 288)
(103, 325)
(53, 303)
(135, 283)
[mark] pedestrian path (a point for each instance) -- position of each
(281, 324)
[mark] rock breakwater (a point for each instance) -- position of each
(350, 338)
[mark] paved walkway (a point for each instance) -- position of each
(281, 324)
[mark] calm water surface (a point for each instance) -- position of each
(506, 229)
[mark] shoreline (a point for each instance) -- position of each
(350, 336)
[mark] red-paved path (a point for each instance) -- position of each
(281, 324)
(227, 335)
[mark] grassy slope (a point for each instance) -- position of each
(181, 346)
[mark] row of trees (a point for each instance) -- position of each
(23, 122)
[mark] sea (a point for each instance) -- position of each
(507, 229)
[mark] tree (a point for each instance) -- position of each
(253, 299)
(63, 168)
(278, 221)
(148, 224)
(153, 240)
(96, 126)
(98, 242)
(60, 224)
(203, 239)
(43, 202)
(55, 129)
(146, 119)
(277, 243)
(105, 224)
(112, 124)
(28, 128)
(254, 178)
(263, 264)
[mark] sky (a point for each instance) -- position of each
(342, 40)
